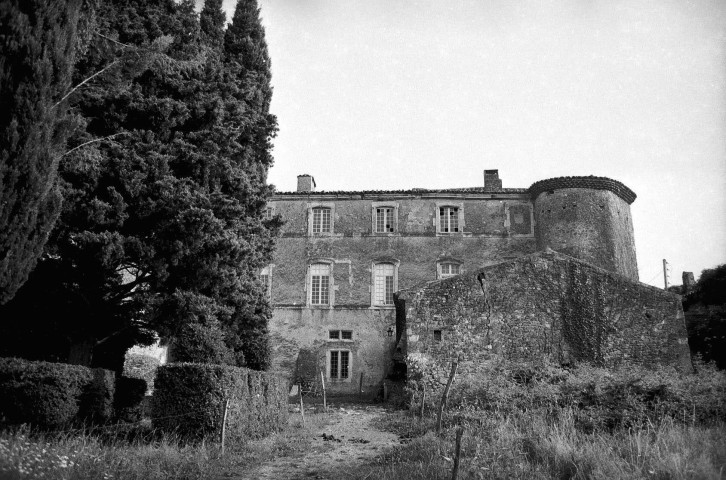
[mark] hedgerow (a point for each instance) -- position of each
(53, 395)
(189, 400)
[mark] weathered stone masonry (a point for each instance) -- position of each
(498, 230)
(542, 307)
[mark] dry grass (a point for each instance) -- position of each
(84, 456)
(529, 447)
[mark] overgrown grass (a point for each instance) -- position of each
(582, 424)
(144, 455)
(528, 446)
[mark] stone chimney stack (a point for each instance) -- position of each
(689, 282)
(492, 183)
(305, 183)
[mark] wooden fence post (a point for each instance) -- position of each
(360, 386)
(445, 395)
(457, 453)
(224, 422)
(423, 401)
(385, 391)
(325, 401)
(302, 406)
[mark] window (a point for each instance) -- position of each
(437, 335)
(269, 212)
(340, 335)
(339, 364)
(448, 269)
(383, 283)
(385, 220)
(448, 219)
(265, 278)
(321, 220)
(319, 284)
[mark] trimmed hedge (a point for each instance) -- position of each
(53, 395)
(189, 400)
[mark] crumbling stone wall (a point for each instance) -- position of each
(542, 307)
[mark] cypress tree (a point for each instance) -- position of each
(162, 230)
(37, 44)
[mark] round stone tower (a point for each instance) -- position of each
(587, 218)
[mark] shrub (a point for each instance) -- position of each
(189, 400)
(129, 398)
(202, 344)
(141, 367)
(53, 395)
(600, 399)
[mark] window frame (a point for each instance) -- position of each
(340, 335)
(269, 212)
(380, 262)
(329, 364)
(374, 218)
(309, 284)
(448, 261)
(267, 271)
(311, 208)
(459, 218)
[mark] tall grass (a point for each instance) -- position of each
(146, 455)
(586, 423)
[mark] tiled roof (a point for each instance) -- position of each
(592, 182)
(411, 191)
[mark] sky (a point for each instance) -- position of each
(394, 94)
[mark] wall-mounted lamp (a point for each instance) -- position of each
(390, 331)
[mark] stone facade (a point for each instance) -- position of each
(542, 307)
(341, 255)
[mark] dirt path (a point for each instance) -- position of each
(347, 441)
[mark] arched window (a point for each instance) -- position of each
(448, 268)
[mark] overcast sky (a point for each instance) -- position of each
(393, 94)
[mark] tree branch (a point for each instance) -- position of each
(93, 141)
(85, 81)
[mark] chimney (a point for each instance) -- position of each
(689, 282)
(491, 181)
(305, 183)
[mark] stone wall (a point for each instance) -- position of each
(493, 229)
(593, 225)
(542, 307)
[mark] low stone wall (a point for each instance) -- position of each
(546, 307)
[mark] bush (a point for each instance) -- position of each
(129, 398)
(189, 400)
(141, 367)
(202, 344)
(602, 400)
(53, 395)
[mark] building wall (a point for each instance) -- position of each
(543, 307)
(492, 229)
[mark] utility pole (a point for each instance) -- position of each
(665, 273)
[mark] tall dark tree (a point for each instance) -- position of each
(162, 230)
(37, 44)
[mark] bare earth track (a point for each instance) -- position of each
(349, 440)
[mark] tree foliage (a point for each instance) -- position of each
(38, 42)
(162, 225)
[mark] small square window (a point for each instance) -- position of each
(437, 335)
(346, 334)
(334, 334)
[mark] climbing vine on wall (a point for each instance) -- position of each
(583, 315)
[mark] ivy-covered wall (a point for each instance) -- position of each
(542, 307)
